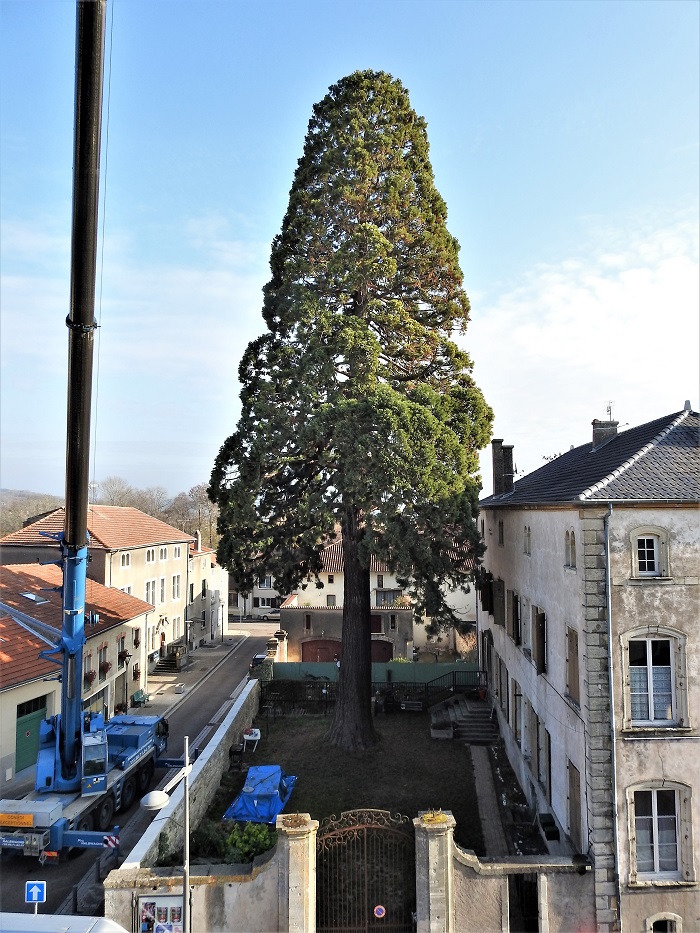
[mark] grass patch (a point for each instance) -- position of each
(405, 772)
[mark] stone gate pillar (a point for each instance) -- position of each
(434, 872)
(296, 844)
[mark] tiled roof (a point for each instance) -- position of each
(113, 606)
(657, 461)
(332, 557)
(112, 527)
(19, 655)
(193, 552)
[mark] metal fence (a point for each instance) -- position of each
(318, 695)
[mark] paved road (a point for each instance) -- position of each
(195, 715)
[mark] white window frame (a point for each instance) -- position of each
(177, 552)
(679, 689)
(177, 585)
(685, 871)
(330, 600)
(659, 538)
(150, 555)
(163, 553)
(265, 583)
(151, 592)
(125, 559)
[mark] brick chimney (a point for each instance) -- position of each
(603, 431)
(497, 457)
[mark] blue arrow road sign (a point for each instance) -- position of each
(34, 892)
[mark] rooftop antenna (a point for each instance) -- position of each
(609, 408)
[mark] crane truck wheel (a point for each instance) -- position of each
(128, 793)
(85, 823)
(104, 813)
(145, 776)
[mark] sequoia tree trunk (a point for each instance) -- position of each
(352, 728)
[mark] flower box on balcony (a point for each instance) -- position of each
(89, 677)
(105, 667)
(122, 656)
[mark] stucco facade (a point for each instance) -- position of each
(588, 623)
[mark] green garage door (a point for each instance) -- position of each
(29, 715)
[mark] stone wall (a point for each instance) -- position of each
(565, 894)
(166, 832)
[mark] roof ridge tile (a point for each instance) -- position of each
(634, 458)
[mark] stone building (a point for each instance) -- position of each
(129, 550)
(588, 613)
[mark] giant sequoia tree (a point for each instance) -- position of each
(358, 409)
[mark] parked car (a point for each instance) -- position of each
(272, 615)
(258, 659)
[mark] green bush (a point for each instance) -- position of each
(248, 840)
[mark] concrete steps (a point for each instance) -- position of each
(468, 719)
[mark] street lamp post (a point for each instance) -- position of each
(156, 800)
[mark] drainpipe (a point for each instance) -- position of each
(608, 606)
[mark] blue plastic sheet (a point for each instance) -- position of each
(267, 789)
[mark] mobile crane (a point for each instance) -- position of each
(87, 769)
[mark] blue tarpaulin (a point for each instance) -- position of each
(267, 789)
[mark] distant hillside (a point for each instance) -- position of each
(17, 505)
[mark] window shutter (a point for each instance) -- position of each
(499, 602)
(256, 602)
(540, 646)
(509, 612)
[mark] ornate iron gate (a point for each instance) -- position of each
(366, 873)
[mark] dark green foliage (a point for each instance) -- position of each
(233, 844)
(358, 409)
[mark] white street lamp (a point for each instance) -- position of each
(156, 800)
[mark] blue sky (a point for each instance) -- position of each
(564, 139)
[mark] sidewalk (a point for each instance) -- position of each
(487, 801)
(202, 661)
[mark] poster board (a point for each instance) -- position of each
(160, 913)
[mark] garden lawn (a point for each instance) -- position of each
(406, 771)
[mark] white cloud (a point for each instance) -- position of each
(619, 323)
